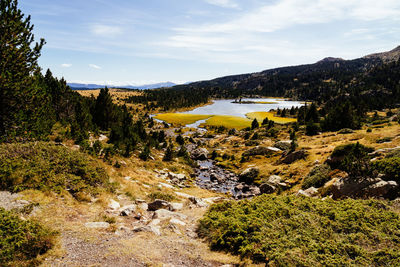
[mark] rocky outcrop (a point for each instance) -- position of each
(294, 156)
(199, 154)
(261, 151)
(248, 175)
(158, 204)
(310, 192)
(362, 188)
(267, 188)
(127, 210)
(283, 145)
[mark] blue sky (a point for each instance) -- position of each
(124, 42)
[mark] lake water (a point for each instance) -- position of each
(226, 107)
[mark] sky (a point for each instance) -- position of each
(131, 42)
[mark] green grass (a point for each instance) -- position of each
(228, 122)
(47, 167)
(21, 241)
(300, 231)
(181, 118)
(261, 115)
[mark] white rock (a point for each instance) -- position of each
(176, 206)
(97, 225)
(127, 210)
(152, 229)
(114, 204)
(177, 222)
(154, 222)
(166, 185)
(143, 206)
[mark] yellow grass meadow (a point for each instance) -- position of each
(181, 118)
(228, 121)
(260, 116)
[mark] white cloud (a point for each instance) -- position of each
(223, 3)
(94, 66)
(66, 65)
(105, 30)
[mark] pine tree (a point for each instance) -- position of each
(254, 124)
(18, 63)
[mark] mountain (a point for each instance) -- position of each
(81, 86)
(392, 55)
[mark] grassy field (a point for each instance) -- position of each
(181, 118)
(228, 122)
(260, 116)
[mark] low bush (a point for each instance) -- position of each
(299, 231)
(21, 241)
(47, 167)
(390, 167)
(160, 195)
(317, 177)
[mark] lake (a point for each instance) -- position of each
(226, 107)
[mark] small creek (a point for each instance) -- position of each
(214, 178)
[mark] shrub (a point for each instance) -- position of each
(352, 158)
(388, 166)
(317, 177)
(160, 195)
(299, 231)
(312, 128)
(22, 240)
(47, 167)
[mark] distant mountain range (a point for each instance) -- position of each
(81, 86)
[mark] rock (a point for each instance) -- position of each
(380, 189)
(198, 202)
(274, 179)
(310, 192)
(283, 145)
(154, 222)
(248, 175)
(114, 205)
(295, 155)
(152, 229)
(177, 222)
(267, 188)
(181, 176)
(164, 214)
(199, 154)
(158, 204)
(363, 188)
(143, 206)
(97, 225)
(127, 210)
(176, 206)
(166, 185)
(261, 150)
(383, 151)
(102, 137)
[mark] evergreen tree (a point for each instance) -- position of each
(19, 95)
(254, 124)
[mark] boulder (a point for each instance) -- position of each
(310, 192)
(274, 179)
(114, 205)
(294, 156)
(283, 145)
(198, 202)
(177, 222)
(261, 150)
(199, 154)
(363, 188)
(176, 206)
(248, 175)
(148, 228)
(158, 204)
(127, 210)
(267, 188)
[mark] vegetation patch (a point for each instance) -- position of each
(299, 231)
(261, 115)
(47, 167)
(181, 118)
(21, 241)
(228, 122)
(317, 177)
